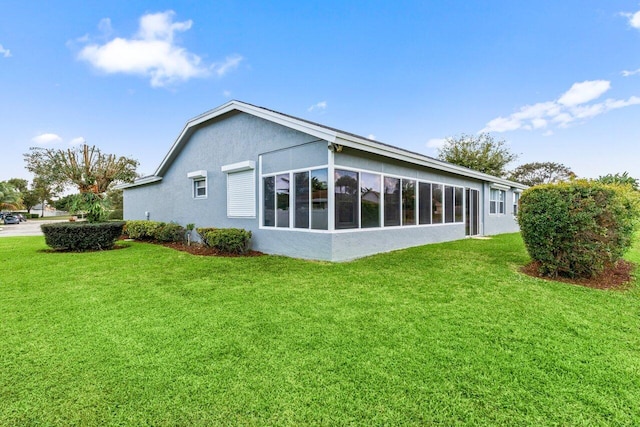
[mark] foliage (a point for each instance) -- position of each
(79, 236)
(115, 214)
(19, 184)
(439, 335)
(115, 198)
(87, 168)
(578, 228)
(228, 240)
(479, 152)
(65, 203)
(623, 179)
(154, 230)
(537, 173)
(9, 197)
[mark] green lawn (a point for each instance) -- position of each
(446, 334)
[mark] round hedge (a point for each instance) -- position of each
(82, 236)
(577, 228)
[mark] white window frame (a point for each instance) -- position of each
(197, 177)
(500, 201)
(516, 202)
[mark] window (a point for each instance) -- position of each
(241, 194)
(424, 199)
(391, 201)
(200, 188)
(496, 201)
(294, 193)
(268, 203)
(369, 200)
(516, 202)
(346, 199)
(301, 200)
(319, 194)
(436, 204)
(448, 203)
(198, 184)
(408, 202)
(282, 200)
(459, 205)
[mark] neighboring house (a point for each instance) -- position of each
(310, 191)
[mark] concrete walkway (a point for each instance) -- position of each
(29, 228)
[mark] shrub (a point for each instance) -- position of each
(229, 240)
(115, 214)
(577, 228)
(169, 232)
(78, 237)
(154, 230)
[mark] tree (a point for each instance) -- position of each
(9, 197)
(537, 173)
(622, 179)
(86, 168)
(19, 184)
(478, 152)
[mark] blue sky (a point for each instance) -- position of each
(558, 80)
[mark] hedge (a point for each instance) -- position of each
(228, 240)
(82, 236)
(155, 230)
(577, 228)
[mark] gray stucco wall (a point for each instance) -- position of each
(237, 137)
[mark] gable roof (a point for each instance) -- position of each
(331, 135)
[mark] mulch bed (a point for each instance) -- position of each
(617, 277)
(197, 249)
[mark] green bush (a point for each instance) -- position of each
(229, 240)
(577, 228)
(170, 232)
(115, 214)
(82, 236)
(154, 230)
(32, 216)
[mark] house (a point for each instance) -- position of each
(309, 191)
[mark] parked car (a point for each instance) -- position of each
(11, 219)
(21, 217)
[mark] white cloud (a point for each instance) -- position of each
(371, 137)
(572, 106)
(584, 92)
(4, 52)
(627, 73)
(436, 142)
(152, 52)
(634, 19)
(230, 63)
(226, 93)
(46, 138)
(77, 141)
(322, 105)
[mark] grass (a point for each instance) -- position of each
(447, 334)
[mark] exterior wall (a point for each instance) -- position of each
(238, 137)
(499, 223)
(231, 139)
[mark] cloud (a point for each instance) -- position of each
(627, 73)
(634, 19)
(77, 141)
(436, 142)
(322, 105)
(152, 52)
(584, 92)
(226, 93)
(371, 137)
(572, 106)
(230, 63)
(46, 138)
(4, 52)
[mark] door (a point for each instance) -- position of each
(472, 212)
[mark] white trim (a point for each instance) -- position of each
(197, 174)
(499, 186)
(140, 181)
(239, 167)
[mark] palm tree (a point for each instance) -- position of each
(9, 197)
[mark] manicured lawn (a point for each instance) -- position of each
(445, 334)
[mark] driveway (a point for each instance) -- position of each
(29, 228)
